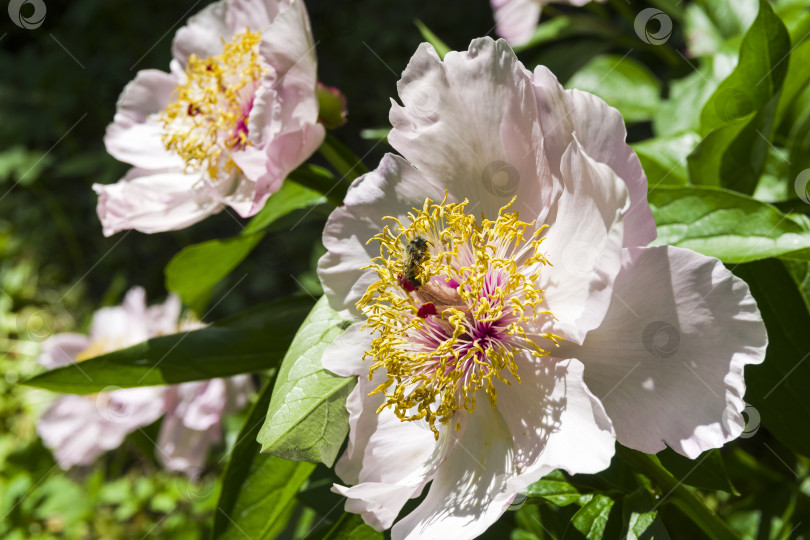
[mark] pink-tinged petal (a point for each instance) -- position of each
(515, 20)
(180, 448)
(237, 392)
(117, 327)
(251, 161)
(256, 14)
(134, 137)
(203, 33)
(344, 356)
(378, 504)
(470, 123)
(668, 360)
(151, 201)
(62, 349)
(284, 154)
(200, 405)
(600, 130)
(78, 429)
(554, 420)
(470, 489)
(393, 189)
(583, 243)
(163, 319)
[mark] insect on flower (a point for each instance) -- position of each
(415, 254)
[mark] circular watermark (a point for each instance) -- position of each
(112, 406)
(421, 99)
(579, 258)
(752, 421)
(28, 14)
(661, 339)
(500, 179)
(732, 104)
(801, 185)
(643, 25)
(193, 488)
(35, 325)
(518, 502)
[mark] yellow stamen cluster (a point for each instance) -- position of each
(205, 115)
(435, 365)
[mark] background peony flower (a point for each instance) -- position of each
(236, 113)
(515, 20)
(519, 341)
(78, 429)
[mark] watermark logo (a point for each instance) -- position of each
(35, 325)
(644, 25)
(28, 14)
(732, 104)
(661, 339)
(801, 185)
(500, 179)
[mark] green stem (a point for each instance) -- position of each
(680, 495)
(345, 162)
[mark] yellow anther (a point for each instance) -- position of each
(209, 112)
(486, 299)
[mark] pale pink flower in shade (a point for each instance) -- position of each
(502, 298)
(237, 112)
(78, 429)
(516, 20)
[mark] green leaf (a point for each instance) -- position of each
(348, 527)
(707, 471)
(664, 158)
(641, 517)
(724, 224)
(441, 48)
(798, 74)
(196, 269)
(348, 165)
(777, 388)
(307, 417)
(737, 119)
(556, 489)
(292, 196)
(592, 519)
(681, 111)
(321, 180)
(623, 83)
(258, 490)
(216, 351)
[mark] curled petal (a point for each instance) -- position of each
(668, 360)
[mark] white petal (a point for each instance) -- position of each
(516, 20)
(62, 349)
(134, 137)
(344, 356)
(393, 189)
(151, 201)
(470, 124)
(554, 420)
(601, 132)
(389, 460)
(470, 490)
(668, 360)
(163, 318)
(203, 33)
(583, 243)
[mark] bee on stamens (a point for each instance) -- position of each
(415, 254)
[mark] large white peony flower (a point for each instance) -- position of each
(237, 112)
(509, 320)
(78, 429)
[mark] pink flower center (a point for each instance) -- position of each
(207, 118)
(455, 301)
